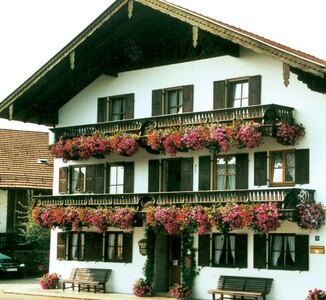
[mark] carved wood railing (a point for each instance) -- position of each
(255, 112)
(287, 198)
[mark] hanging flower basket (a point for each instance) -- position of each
(311, 215)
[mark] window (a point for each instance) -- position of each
(172, 100)
(78, 179)
(175, 174)
(89, 246)
(225, 172)
(285, 167)
(115, 108)
(97, 179)
(282, 167)
(225, 251)
(237, 92)
(285, 251)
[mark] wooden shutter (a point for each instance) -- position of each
(254, 90)
(107, 178)
(128, 183)
(188, 98)
(302, 252)
(187, 174)
(102, 109)
(63, 180)
(95, 179)
(127, 247)
(241, 250)
(153, 175)
(157, 102)
(61, 245)
(204, 250)
(204, 173)
(93, 246)
(241, 180)
(260, 247)
(129, 106)
(260, 168)
(219, 94)
(302, 166)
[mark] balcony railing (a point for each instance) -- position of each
(255, 112)
(286, 198)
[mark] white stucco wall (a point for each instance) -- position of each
(309, 109)
(3, 210)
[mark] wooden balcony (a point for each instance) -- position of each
(258, 113)
(286, 198)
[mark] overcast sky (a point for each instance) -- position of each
(32, 31)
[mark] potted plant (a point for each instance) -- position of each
(180, 291)
(141, 288)
(311, 215)
(49, 281)
(316, 294)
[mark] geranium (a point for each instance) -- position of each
(155, 140)
(123, 218)
(248, 135)
(236, 216)
(266, 218)
(316, 294)
(289, 134)
(194, 138)
(311, 215)
(201, 218)
(49, 281)
(218, 139)
(126, 144)
(100, 218)
(180, 291)
(140, 288)
(66, 149)
(168, 218)
(172, 141)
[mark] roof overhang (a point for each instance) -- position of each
(139, 34)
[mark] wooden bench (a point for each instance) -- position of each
(237, 287)
(87, 278)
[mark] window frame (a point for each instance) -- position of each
(79, 179)
(284, 153)
(283, 251)
(231, 98)
(118, 237)
(226, 248)
(225, 174)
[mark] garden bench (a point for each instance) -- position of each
(238, 287)
(87, 278)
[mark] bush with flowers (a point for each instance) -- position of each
(180, 291)
(49, 281)
(289, 133)
(316, 294)
(311, 215)
(141, 288)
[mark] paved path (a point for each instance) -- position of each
(30, 286)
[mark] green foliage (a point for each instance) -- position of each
(148, 269)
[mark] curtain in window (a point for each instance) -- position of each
(74, 246)
(111, 246)
(291, 244)
(232, 244)
(219, 242)
(276, 250)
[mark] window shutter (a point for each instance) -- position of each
(219, 94)
(90, 178)
(241, 181)
(63, 180)
(157, 102)
(61, 246)
(241, 250)
(129, 106)
(187, 174)
(260, 251)
(128, 183)
(204, 173)
(260, 168)
(154, 175)
(188, 98)
(107, 178)
(254, 90)
(302, 166)
(302, 252)
(95, 179)
(127, 247)
(93, 246)
(204, 250)
(102, 109)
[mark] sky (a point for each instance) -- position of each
(33, 31)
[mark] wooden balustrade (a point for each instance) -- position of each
(255, 112)
(174, 198)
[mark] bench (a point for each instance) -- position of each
(87, 278)
(238, 287)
